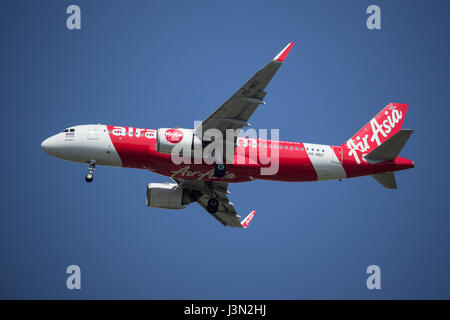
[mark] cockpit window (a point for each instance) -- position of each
(66, 130)
(72, 130)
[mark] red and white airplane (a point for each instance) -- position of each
(373, 151)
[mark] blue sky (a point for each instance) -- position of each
(167, 63)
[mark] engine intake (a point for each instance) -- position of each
(167, 196)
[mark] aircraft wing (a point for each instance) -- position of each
(236, 111)
(202, 191)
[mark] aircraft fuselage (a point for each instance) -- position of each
(137, 148)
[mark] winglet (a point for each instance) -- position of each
(246, 222)
(283, 54)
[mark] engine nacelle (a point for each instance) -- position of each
(185, 139)
(167, 196)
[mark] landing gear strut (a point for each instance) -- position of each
(213, 205)
(220, 170)
(90, 175)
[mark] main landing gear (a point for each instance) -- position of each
(90, 175)
(220, 170)
(213, 205)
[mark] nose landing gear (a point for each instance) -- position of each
(90, 175)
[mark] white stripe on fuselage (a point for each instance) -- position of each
(325, 162)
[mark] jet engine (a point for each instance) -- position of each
(167, 139)
(167, 196)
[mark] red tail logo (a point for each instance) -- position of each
(387, 123)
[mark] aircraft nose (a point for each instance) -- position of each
(48, 145)
(44, 145)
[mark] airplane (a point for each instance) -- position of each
(373, 151)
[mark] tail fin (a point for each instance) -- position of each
(382, 127)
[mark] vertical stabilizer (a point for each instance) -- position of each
(382, 127)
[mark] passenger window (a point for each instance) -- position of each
(301, 149)
(286, 147)
(281, 147)
(292, 148)
(296, 148)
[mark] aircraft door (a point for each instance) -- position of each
(93, 132)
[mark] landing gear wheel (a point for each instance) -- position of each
(220, 170)
(89, 177)
(213, 205)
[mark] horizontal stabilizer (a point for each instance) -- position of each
(390, 149)
(386, 179)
